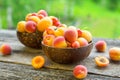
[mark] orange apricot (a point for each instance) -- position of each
(87, 35)
(38, 62)
(114, 53)
(101, 46)
(21, 26)
(29, 15)
(34, 18)
(44, 23)
(5, 49)
(59, 42)
(80, 71)
(101, 61)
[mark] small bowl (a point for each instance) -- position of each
(32, 40)
(67, 55)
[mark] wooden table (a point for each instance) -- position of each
(17, 66)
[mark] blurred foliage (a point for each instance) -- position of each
(101, 17)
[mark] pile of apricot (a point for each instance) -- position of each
(40, 27)
(66, 36)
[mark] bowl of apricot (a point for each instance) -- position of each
(66, 45)
(30, 31)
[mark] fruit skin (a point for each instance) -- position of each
(34, 18)
(79, 32)
(59, 42)
(82, 41)
(80, 71)
(71, 35)
(29, 15)
(48, 40)
(75, 44)
(59, 31)
(21, 26)
(51, 30)
(40, 16)
(100, 46)
(43, 12)
(44, 23)
(72, 27)
(38, 62)
(87, 35)
(114, 53)
(63, 25)
(57, 24)
(101, 61)
(5, 49)
(30, 27)
(55, 21)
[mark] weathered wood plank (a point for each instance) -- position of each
(8, 33)
(23, 55)
(10, 71)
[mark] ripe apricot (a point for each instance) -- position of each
(34, 18)
(114, 53)
(82, 41)
(101, 61)
(71, 35)
(44, 23)
(29, 15)
(38, 62)
(59, 42)
(100, 46)
(87, 35)
(80, 71)
(21, 26)
(5, 49)
(59, 31)
(30, 26)
(43, 12)
(75, 44)
(48, 39)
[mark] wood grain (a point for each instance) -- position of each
(21, 56)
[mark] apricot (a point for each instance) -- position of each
(21, 26)
(75, 44)
(5, 49)
(40, 16)
(101, 61)
(55, 21)
(57, 24)
(30, 27)
(59, 42)
(48, 40)
(44, 23)
(82, 41)
(72, 27)
(114, 53)
(63, 25)
(38, 62)
(80, 71)
(79, 32)
(100, 46)
(45, 33)
(29, 15)
(43, 12)
(71, 35)
(34, 18)
(87, 35)
(51, 30)
(59, 31)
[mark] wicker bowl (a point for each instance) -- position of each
(67, 55)
(32, 40)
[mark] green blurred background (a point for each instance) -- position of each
(100, 17)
